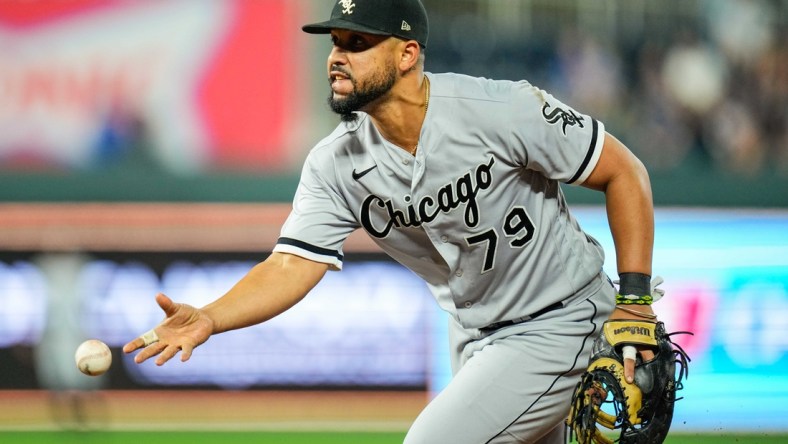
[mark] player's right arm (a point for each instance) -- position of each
(267, 290)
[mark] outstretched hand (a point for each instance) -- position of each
(183, 329)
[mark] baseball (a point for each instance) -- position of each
(93, 357)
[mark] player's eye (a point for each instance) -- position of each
(357, 43)
(352, 42)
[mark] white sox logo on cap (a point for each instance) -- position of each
(347, 6)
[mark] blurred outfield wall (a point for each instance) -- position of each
(179, 100)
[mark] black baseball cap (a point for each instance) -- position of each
(406, 19)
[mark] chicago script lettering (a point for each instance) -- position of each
(448, 197)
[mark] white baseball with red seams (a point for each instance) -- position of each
(93, 357)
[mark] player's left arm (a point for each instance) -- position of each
(630, 211)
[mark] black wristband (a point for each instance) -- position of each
(637, 284)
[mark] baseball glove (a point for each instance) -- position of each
(642, 410)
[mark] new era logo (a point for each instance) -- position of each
(405, 26)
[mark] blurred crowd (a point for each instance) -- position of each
(685, 84)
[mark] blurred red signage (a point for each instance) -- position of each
(181, 85)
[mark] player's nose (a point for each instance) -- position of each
(337, 56)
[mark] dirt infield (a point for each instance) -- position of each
(209, 410)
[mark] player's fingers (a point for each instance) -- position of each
(137, 343)
(166, 304)
(629, 353)
(167, 354)
(148, 352)
(144, 340)
(186, 352)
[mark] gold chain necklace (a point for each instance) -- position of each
(426, 106)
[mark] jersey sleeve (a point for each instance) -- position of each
(320, 220)
(560, 142)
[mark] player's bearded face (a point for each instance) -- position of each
(364, 91)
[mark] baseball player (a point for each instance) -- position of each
(457, 178)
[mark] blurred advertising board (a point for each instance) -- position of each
(180, 86)
(374, 324)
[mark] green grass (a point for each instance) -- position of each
(158, 437)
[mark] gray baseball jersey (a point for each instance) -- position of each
(477, 213)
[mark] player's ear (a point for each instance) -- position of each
(410, 50)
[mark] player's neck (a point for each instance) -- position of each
(400, 117)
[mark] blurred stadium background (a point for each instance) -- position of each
(155, 146)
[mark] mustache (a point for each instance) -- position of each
(344, 72)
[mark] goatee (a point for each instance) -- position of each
(362, 95)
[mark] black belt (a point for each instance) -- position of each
(498, 325)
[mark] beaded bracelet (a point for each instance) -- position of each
(631, 299)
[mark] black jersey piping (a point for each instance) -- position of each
(589, 154)
(309, 247)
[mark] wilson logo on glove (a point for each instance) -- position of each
(641, 411)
